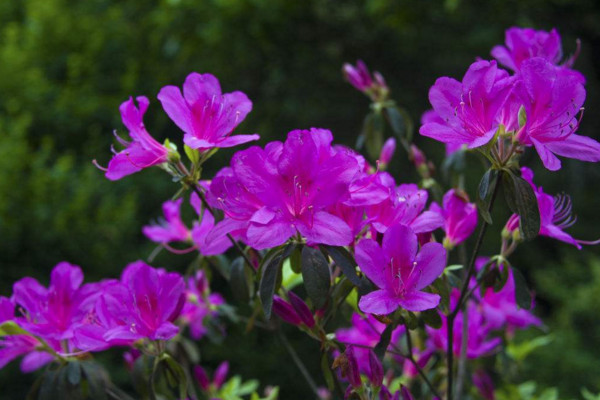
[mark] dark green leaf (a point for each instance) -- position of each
(238, 282)
(268, 281)
(522, 293)
(296, 259)
(316, 275)
(508, 186)
(73, 373)
(345, 261)
(373, 134)
(49, 388)
(527, 208)
(432, 318)
(411, 320)
(440, 286)
(179, 374)
(487, 186)
(400, 122)
(384, 341)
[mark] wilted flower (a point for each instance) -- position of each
(143, 151)
(400, 271)
(206, 116)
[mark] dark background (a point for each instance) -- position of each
(65, 66)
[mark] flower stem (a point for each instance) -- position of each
(298, 362)
(463, 292)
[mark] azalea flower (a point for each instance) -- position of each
(469, 111)
(525, 43)
(172, 228)
(200, 231)
(143, 151)
(552, 98)
(205, 115)
(460, 217)
(387, 152)
(361, 79)
(142, 305)
(555, 214)
(200, 304)
(290, 187)
(400, 271)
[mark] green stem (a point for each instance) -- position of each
(299, 364)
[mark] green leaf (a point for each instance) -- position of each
(179, 374)
(268, 281)
(522, 116)
(316, 275)
(432, 318)
(193, 155)
(247, 387)
(373, 134)
(440, 286)
(296, 259)
(73, 370)
(520, 351)
(508, 186)
(97, 380)
(384, 341)
(487, 186)
(522, 293)
(400, 122)
(527, 208)
(238, 280)
(8, 328)
(346, 262)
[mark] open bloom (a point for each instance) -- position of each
(555, 214)
(289, 187)
(143, 151)
(143, 304)
(205, 115)
(172, 228)
(460, 217)
(200, 231)
(553, 97)
(525, 43)
(469, 112)
(400, 271)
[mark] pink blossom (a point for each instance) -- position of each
(387, 152)
(201, 229)
(200, 304)
(553, 97)
(143, 151)
(289, 186)
(361, 79)
(172, 228)
(205, 115)
(400, 271)
(525, 43)
(460, 217)
(469, 111)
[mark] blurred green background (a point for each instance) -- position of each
(65, 66)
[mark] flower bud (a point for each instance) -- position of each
(201, 378)
(221, 374)
(387, 152)
(484, 383)
(376, 369)
(285, 311)
(301, 309)
(417, 156)
(358, 76)
(353, 372)
(406, 395)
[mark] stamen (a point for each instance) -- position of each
(101, 168)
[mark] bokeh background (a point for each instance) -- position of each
(65, 66)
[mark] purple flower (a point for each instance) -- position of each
(172, 228)
(404, 205)
(289, 187)
(143, 151)
(206, 116)
(525, 43)
(555, 214)
(400, 271)
(552, 98)
(361, 79)
(285, 311)
(469, 111)
(430, 116)
(460, 217)
(201, 230)
(218, 378)
(200, 304)
(479, 329)
(143, 304)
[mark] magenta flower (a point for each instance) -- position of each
(143, 305)
(400, 271)
(289, 187)
(479, 329)
(430, 116)
(404, 205)
(525, 43)
(460, 217)
(361, 79)
(553, 97)
(206, 116)
(470, 111)
(387, 152)
(218, 379)
(555, 214)
(200, 305)
(143, 151)
(172, 228)
(201, 229)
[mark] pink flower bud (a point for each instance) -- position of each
(484, 383)
(221, 374)
(387, 151)
(376, 369)
(406, 395)
(353, 372)
(302, 309)
(417, 156)
(201, 378)
(358, 76)
(285, 311)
